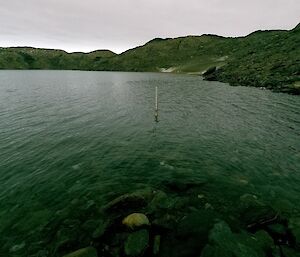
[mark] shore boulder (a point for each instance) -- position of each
(136, 220)
(209, 74)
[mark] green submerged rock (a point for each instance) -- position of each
(137, 243)
(197, 224)
(294, 226)
(223, 242)
(264, 240)
(289, 252)
(184, 180)
(95, 228)
(165, 222)
(279, 233)
(276, 251)
(66, 239)
(160, 201)
(85, 252)
(256, 215)
(189, 236)
(129, 202)
(156, 244)
(100, 229)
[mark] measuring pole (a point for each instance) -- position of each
(156, 105)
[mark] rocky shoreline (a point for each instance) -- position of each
(282, 85)
(179, 220)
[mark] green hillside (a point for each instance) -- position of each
(269, 59)
(265, 59)
(36, 58)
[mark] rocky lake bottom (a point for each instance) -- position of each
(85, 170)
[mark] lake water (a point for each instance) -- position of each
(88, 137)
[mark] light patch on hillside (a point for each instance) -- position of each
(168, 70)
(297, 84)
(222, 59)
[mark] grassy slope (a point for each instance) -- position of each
(264, 58)
(185, 54)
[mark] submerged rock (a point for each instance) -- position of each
(181, 184)
(89, 225)
(248, 200)
(294, 227)
(95, 228)
(256, 214)
(66, 239)
(191, 235)
(100, 229)
(222, 242)
(165, 223)
(197, 224)
(264, 240)
(136, 220)
(279, 232)
(137, 243)
(289, 252)
(156, 244)
(276, 251)
(127, 202)
(160, 201)
(113, 251)
(85, 252)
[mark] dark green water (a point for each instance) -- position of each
(90, 136)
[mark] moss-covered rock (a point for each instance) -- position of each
(222, 242)
(136, 220)
(137, 243)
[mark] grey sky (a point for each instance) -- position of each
(85, 25)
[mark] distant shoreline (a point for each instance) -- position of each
(264, 59)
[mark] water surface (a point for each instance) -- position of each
(67, 135)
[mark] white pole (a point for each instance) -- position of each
(156, 102)
(156, 105)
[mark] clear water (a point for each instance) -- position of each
(68, 135)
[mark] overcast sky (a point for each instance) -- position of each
(85, 25)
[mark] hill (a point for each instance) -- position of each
(37, 58)
(269, 59)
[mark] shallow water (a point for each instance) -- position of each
(68, 135)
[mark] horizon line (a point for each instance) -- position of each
(167, 38)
